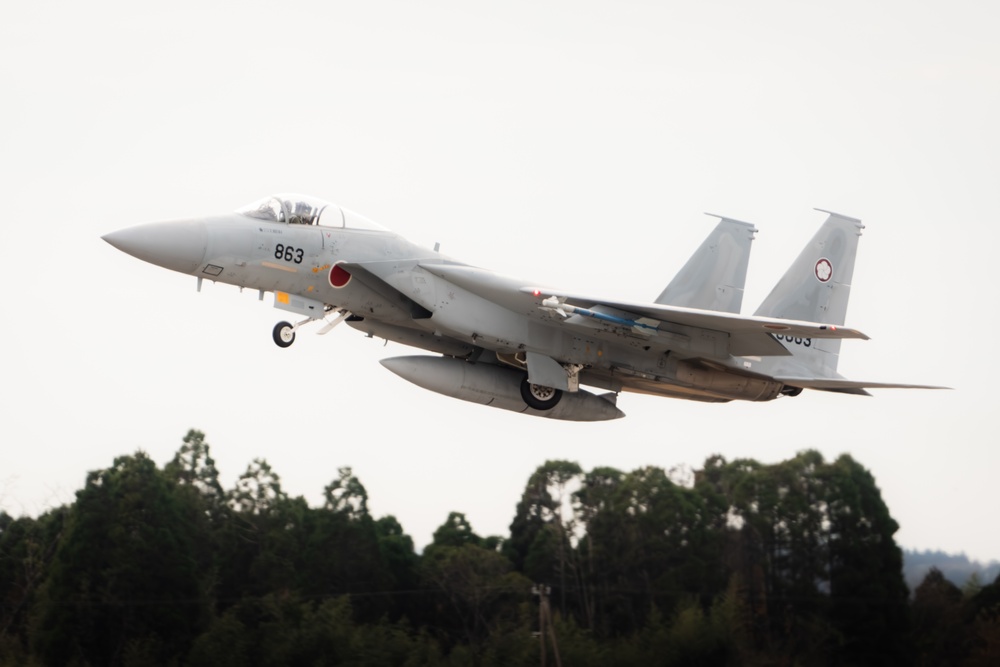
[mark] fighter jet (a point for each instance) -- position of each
(516, 345)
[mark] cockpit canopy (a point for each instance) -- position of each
(296, 209)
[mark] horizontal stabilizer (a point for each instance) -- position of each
(845, 386)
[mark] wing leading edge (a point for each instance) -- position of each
(749, 335)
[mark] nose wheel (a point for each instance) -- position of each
(283, 334)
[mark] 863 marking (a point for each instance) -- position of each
(288, 253)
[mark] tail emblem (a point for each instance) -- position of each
(823, 270)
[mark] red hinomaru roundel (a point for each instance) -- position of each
(339, 277)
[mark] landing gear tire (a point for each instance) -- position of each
(283, 334)
(538, 396)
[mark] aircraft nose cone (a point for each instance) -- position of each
(178, 246)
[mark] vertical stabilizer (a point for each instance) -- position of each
(817, 286)
(715, 275)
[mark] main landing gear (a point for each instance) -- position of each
(284, 332)
(538, 396)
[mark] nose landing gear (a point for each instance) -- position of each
(284, 332)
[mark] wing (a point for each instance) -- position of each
(745, 335)
(367, 273)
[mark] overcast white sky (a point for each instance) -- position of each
(574, 144)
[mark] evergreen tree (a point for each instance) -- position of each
(543, 530)
(346, 495)
(400, 561)
(648, 543)
(261, 537)
(124, 578)
(476, 592)
(939, 633)
(194, 466)
(869, 599)
(27, 547)
(786, 563)
(981, 618)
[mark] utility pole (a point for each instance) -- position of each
(545, 622)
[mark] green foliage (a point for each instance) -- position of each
(937, 621)
(342, 553)
(952, 627)
(755, 564)
(541, 510)
(285, 630)
(812, 543)
(476, 593)
(194, 466)
(258, 490)
(867, 592)
(125, 571)
(27, 547)
(648, 543)
(984, 646)
(346, 495)
(455, 532)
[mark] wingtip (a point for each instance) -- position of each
(845, 332)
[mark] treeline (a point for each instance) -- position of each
(959, 569)
(741, 564)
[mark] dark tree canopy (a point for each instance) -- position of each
(125, 572)
(740, 563)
